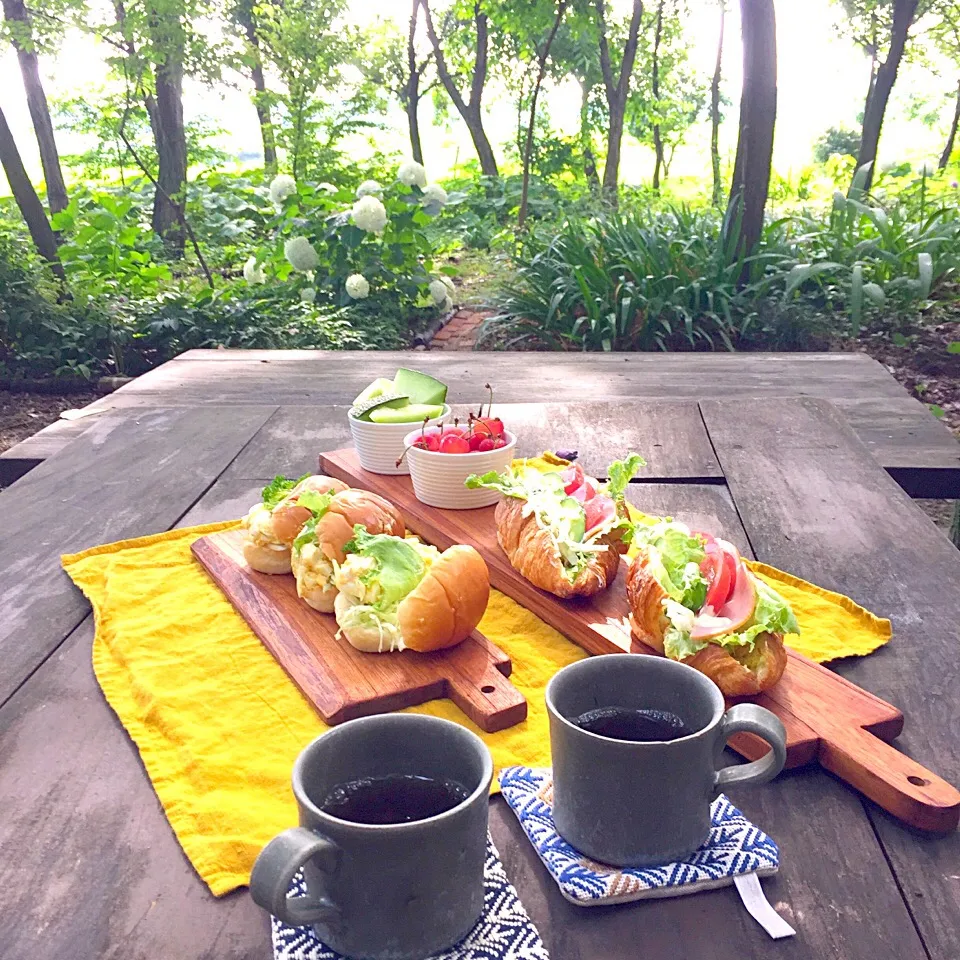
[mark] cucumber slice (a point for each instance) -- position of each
(571, 519)
(420, 387)
(362, 411)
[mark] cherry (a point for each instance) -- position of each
(493, 424)
(499, 442)
(486, 444)
(454, 443)
(453, 431)
(475, 440)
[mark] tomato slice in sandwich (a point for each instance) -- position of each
(719, 567)
(586, 491)
(572, 478)
(599, 510)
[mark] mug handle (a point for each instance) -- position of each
(275, 868)
(750, 718)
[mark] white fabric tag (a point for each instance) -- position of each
(754, 899)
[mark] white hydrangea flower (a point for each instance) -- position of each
(358, 287)
(370, 214)
(434, 193)
(411, 172)
(281, 187)
(439, 291)
(448, 283)
(299, 251)
(369, 188)
(327, 187)
(308, 294)
(253, 272)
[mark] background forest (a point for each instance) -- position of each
(601, 174)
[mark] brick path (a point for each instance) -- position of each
(461, 331)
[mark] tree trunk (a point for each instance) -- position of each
(469, 110)
(617, 89)
(169, 201)
(149, 101)
(245, 14)
(589, 161)
(715, 112)
(528, 146)
(758, 115)
(948, 149)
(903, 14)
(15, 12)
(27, 200)
(657, 139)
(413, 87)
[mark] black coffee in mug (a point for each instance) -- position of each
(638, 726)
(396, 798)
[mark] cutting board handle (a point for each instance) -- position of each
(892, 779)
(488, 698)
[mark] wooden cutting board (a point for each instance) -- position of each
(339, 680)
(828, 719)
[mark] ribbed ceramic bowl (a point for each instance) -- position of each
(380, 445)
(438, 478)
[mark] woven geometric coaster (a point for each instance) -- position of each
(503, 931)
(734, 848)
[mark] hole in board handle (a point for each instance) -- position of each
(487, 688)
(918, 781)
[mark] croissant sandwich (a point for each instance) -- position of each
(271, 526)
(320, 544)
(562, 530)
(397, 593)
(693, 598)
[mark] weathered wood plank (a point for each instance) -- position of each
(670, 436)
(814, 502)
(22, 457)
(125, 477)
(898, 430)
(89, 866)
(80, 812)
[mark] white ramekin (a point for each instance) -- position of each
(380, 445)
(438, 478)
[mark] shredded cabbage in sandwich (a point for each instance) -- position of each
(561, 515)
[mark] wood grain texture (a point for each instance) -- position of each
(89, 867)
(812, 498)
(342, 682)
(814, 704)
(124, 477)
(897, 429)
(670, 436)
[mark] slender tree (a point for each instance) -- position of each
(244, 15)
(412, 93)
(543, 54)
(880, 25)
(24, 42)
(469, 109)
(27, 200)
(952, 135)
(946, 34)
(715, 111)
(617, 88)
(655, 89)
(758, 115)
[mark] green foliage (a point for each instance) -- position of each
(836, 140)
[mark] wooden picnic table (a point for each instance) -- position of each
(89, 867)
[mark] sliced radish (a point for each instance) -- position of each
(599, 509)
(572, 478)
(586, 491)
(733, 614)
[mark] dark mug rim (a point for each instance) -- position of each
(388, 719)
(622, 659)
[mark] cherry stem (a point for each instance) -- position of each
(490, 402)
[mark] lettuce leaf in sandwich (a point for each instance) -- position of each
(674, 555)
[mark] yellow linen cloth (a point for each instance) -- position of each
(219, 724)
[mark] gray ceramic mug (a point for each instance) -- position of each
(641, 804)
(383, 892)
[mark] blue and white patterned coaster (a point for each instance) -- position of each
(503, 932)
(734, 848)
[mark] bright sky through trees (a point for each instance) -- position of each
(822, 83)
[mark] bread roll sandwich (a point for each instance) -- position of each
(320, 544)
(562, 530)
(397, 594)
(272, 525)
(693, 598)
